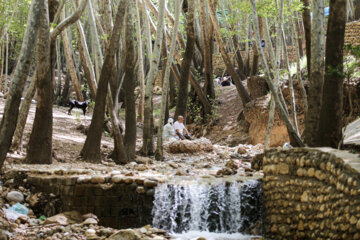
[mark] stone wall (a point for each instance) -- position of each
(119, 202)
(310, 194)
(352, 33)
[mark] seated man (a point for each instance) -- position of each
(180, 129)
(168, 131)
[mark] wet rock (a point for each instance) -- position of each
(186, 146)
(126, 234)
(140, 190)
(15, 196)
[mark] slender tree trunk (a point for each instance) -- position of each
(159, 151)
(255, 63)
(130, 107)
(245, 98)
(9, 119)
(59, 69)
(148, 147)
(330, 129)
(85, 59)
(91, 149)
(70, 62)
(23, 114)
(40, 143)
(2, 85)
(141, 64)
(316, 79)
(307, 27)
(181, 105)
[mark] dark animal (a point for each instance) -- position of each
(77, 104)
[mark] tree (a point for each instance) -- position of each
(159, 151)
(40, 143)
(307, 27)
(245, 98)
(330, 125)
(11, 111)
(130, 107)
(91, 149)
(316, 78)
(181, 104)
(148, 148)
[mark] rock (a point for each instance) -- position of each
(241, 150)
(3, 235)
(98, 179)
(15, 196)
(105, 232)
(126, 234)
(90, 234)
(117, 179)
(233, 164)
(140, 190)
(358, 225)
(89, 215)
(186, 146)
(89, 221)
(141, 167)
(226, 171)
(65, 218)
(150, 184)
(201, 238)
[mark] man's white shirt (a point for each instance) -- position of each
(179, 126)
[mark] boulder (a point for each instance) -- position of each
(89, 221)
(126, 234)
(187, 146)
(15, 196)
(64, 218)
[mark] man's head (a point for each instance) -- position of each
(180, 119)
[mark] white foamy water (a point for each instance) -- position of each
(210, 236)
(221, 210)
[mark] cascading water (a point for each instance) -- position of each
(221, 207)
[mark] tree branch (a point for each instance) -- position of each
(68, 21)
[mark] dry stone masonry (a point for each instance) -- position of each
(310, 193)
(352, 33)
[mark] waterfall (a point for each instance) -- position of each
(221, 207)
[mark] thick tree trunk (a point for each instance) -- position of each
(209, 83)
(330, 129)
(159, 151)
(316, 79)
(8, 122)
(245, 98)
(39, 148)
(130, 80)
(91, 150)
(148, 148)
(181, 104)
(307, 27)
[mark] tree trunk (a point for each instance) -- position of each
(209, 83)
(70, 62)
(141, 64)
(130, 106)
(148, 148)
(39, 148)
(9, 119)
(255, 63)
(331, 113)
(245, 98)
(91, 149)
(23, 114)
(316, 79)
(181, 104)
(307, 27)
(159, 151)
